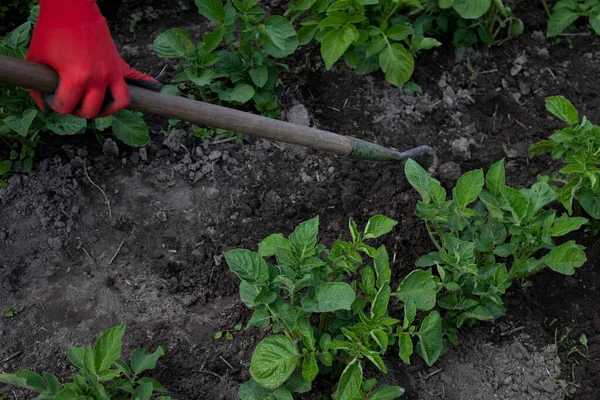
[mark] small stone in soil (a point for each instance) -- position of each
(110, 148)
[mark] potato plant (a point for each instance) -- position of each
(488, 235)
(102, 374)
(324, 320)
(565, 12)
(472, 21)
(578, 145)
(236, 62)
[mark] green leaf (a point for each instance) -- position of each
(468, 187)
(142, 360)
(386, 392)
(259, 75)
(562, 108)
(545, 146)
(21, 125)
(65, 124)
(5, 167)
(515, 27)
(268, 247)
(380, 303)
(76, 356)
(350, 381)
(306, 332)
(410, 311)
(241, 93)
(541, 194)
(516, 201)
(306, 34)
(379, 225)
(108, 347)
(15, 380)
(273, 361)
(335, 43)
(418, 178)
(398, 32)
(495, 177)
(471, 9)
(174, 43)
(560, 20)
(130, 128)
(304, 238)
(397, 64)
(53, 383)
(247, 265)
(406, 347)
(211, 9)
(103, 123)
(445, 4)
(375, 46)
(297, 384)
(595, 20)
(212, 40)
(143, 392)
(18, 39)
(589, 201)
(566, 225)
(565, 258)
(382, 267)
(431, 344)
(480, 313)
(420, 288)
(310, 369)
(328, 296)
(425, 43)
(281, 39)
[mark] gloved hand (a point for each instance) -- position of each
(72, 37)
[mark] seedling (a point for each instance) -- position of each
(228, 334)
(102, 374)
(11, 311)
(579, 146)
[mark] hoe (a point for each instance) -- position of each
(39, 77)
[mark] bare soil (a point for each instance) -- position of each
(153, 259)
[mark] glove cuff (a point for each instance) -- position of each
(69, 12)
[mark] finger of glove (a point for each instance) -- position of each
(39, 100)
(137, 78)
(90, 104)
(119, 93)
(66, 97)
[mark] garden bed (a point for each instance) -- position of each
(153, 259)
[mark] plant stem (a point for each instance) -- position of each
(323, 322)
(433, 239)
(545, 4)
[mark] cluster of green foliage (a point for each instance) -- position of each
(487, 236)
(566, 12)
(327, 309)
(471, 21)
(323, 321)
(579, 147)
(102, 374)
(386, 34)
(236, 62)
(15, 9)
(22, 123)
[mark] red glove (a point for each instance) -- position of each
(72, 37)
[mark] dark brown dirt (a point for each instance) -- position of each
(174, 213)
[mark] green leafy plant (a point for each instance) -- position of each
(11, 10)
(566, 12)
(369, 35)
(323, 320)
(488, 235)
(579, 147)
(227, 333)
(11, 311)
(235, 63)
(102, 374)
(472, 21)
